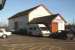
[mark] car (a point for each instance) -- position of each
(4, 34)
(58, 35)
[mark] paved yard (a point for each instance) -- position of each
(19, 42)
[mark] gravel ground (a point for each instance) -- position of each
(19, 42)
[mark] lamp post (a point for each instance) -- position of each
(2, 3)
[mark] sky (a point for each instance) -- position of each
(64, 7)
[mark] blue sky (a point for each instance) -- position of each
(64, 7)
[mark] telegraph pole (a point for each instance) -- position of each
(73, 20)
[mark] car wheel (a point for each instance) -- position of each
(4, 36)
(70, 36)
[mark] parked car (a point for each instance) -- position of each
(67, 34)
(59, 35)
(4, 33)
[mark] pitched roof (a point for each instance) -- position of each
(26, 12)
(45, 19)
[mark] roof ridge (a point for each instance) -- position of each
(31, 9)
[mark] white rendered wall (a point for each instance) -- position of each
(61, 23)
(39, 12)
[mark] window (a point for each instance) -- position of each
(43, 28)
(32, 28)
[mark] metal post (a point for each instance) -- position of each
(73, 20)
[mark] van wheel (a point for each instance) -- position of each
(4, 36)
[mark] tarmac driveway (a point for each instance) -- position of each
(19, 42)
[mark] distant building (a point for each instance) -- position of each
(30, 19)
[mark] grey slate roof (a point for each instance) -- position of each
(26, 12)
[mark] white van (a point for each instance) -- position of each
(44, 30)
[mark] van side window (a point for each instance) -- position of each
(32, 28)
